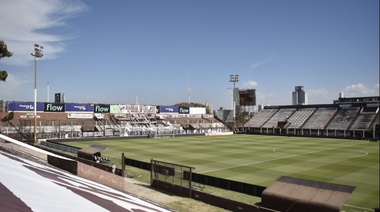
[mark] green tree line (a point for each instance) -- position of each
(4, 53)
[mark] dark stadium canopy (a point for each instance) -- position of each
(89, 152)
(298, 195)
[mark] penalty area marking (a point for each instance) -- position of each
(274, 159)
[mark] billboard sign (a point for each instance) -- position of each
(78, 107)
(168, 109)
(25, 106)
(247, 97)
(54, 107)
(197, 110)
(79, 115)
(183, 110)
(102, 108)
(115, 108)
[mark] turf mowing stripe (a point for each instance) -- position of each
(289, 156)
(357, 207)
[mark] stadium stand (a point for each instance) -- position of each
(364, 119)
(281, 115)
(355, 120)
(224, 115)
(319, 118)
(347, 117)
(300, 116)
(343, 118)
(261, 117)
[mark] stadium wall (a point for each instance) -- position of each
(100, 176)
(208, 198)
(88, 172)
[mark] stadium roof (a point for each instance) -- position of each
(294, 194)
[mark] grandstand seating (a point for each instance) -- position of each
(225, 115)
(260, 118)
(306, 120)
(343, 118)
(282, 115)
(377, 119)
(299, 117)
(364, 119)
(316, 120)
(319, 118)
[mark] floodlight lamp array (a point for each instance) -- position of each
(38, 51)
(234, 78)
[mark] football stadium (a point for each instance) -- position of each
(321, 157)
(139, 115)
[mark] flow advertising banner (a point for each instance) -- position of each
(184, 110)
(102, 108)
(54, 107)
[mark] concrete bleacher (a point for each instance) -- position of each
(225, 115)
(377, 119)
(343, 118)
(319, 118)
(260, 118)
(299, 117)
(282, 115)
(364, 119)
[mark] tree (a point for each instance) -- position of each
(4, 53)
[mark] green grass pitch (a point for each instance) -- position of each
(261, 160)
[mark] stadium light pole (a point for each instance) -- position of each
(234, 79)
(48, 92)
(36, 53)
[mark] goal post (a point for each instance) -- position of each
(174, 178)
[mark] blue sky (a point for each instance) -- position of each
(164, 52)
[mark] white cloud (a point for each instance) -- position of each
(258, 64)
(358, 90)
(12, 89)
(321, 96)
(325, 96)
(250, 84)
(315, 96)
(24, 23)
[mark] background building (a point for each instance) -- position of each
(299, 96)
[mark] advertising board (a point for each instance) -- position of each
(102, 108)
(133, 109)
(168, 109)
(115, 108)
(183, 110)
(247, 97)
(54, 107)
(78, 107)
(80, 115)
(24, 106)
(197, 110)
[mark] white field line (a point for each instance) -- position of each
(264, 161)
(364, 153)
(361, 208)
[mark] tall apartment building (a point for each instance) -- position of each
(299, 96)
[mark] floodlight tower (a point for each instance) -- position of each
(48, 92)
(36, 53)
(234, 79)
